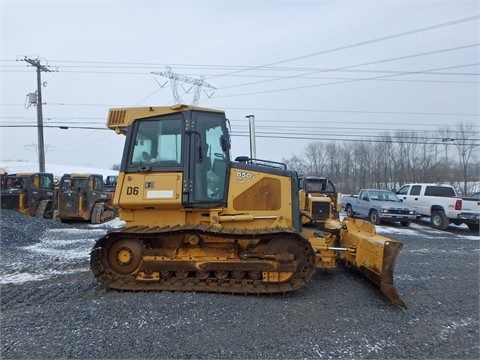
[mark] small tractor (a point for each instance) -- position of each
(32, 194)
(82, 197)
(318, 200)
(196, 220)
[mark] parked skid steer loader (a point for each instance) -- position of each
(29, 193)
(318, 200)
(197, 221)
(82, 197)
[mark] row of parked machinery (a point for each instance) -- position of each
(196, 220)
(77, 197)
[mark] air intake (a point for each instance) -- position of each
(116, 118)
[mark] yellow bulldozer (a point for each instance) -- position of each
(198, 221)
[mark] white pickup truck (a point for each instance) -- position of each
(441, 204)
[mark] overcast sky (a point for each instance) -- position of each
(308, 70)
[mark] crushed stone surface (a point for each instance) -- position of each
(52, 307)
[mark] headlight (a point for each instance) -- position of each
(384, 210)
(411, 212)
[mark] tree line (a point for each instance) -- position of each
(448, 155)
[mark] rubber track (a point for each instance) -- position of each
(112, 280)
(42, 206)
(100, 214)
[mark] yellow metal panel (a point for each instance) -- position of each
(158, 190)
(260, 194)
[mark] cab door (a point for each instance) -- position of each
(363, 203)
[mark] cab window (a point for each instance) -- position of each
(158, 141)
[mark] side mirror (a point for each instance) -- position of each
(224, 143)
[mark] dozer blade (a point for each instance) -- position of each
(372, 254)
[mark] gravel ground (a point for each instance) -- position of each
(52, 307)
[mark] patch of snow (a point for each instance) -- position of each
(385, 229)
(60, 249)
(451, 329)
(13, 167)
(112, 224)
(18, 278)
(57, 249)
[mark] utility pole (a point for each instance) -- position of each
(41, 147)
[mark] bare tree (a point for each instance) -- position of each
(315, 158)
(295, 163)
(334, 161)
(362, 163)
(467, 142)
(392, 160)
(347, 181)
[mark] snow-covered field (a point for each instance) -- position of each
(415, 228)
(13, 167)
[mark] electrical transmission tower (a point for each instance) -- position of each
(175, 79)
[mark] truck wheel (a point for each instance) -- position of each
(473, 227)
(405, 223)
(349, 211)
(439, 220)
(374, 217)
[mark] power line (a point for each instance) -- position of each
(362, 43)
(249, 109)
(365, 64)
(308, 136)
(340, 82)
(274, 132)
(349, 111)
(63, 127)
(244, 67)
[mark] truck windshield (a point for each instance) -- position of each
(383, 196)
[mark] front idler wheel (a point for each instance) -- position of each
(125, 255)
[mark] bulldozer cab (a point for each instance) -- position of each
(179, 158)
